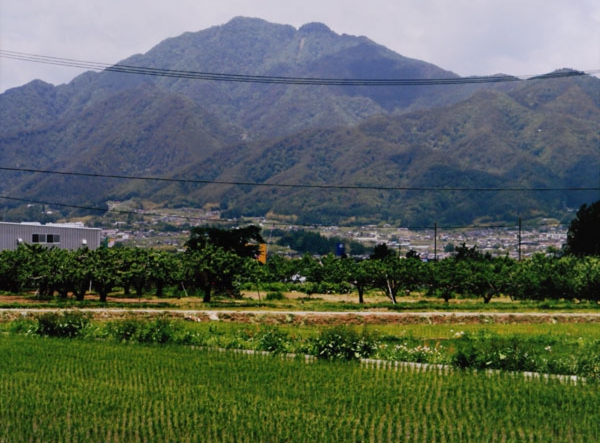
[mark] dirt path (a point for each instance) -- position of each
(323, 318)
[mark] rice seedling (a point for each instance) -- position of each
(76, 390)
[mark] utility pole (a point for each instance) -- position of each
(435, 241)
(519, 238)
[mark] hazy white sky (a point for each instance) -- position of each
(469, 37)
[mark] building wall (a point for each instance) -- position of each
(70, 237)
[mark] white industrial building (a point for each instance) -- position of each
(70, 236)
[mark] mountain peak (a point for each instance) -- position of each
(315, 27)
(531, 133)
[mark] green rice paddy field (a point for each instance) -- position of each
(57, 390)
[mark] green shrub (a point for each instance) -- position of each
(343, 343)
(23, 326)
(489, 351)
(275, 296)
(588, 364)
(409, 349)
(126, 330)
(159, 330)
(272, 339)
(67, 324)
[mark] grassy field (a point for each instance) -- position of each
(80, 391)
(297, 301)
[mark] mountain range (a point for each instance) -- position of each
(317, 153)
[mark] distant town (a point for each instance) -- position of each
(170, 231)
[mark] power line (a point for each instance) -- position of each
(97, 209)
(306, 186)
(223, 77)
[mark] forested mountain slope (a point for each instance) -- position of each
(541, 133)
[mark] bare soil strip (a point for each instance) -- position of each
(305, 318)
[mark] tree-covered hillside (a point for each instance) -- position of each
(319, 143)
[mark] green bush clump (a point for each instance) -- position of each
(160, 330)
(588, 364)
(23, 325)
(343, 343)
(68, 324)
(490, 351)
(412, 350)
(272, 339)
(275, 296)
(125, 330)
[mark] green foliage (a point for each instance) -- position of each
(470, 137)
(127, 330)
(309, 242)
(274, 296)
(243, 241)
(381, 251)
(392, 274)
(213, 268)
(493, 352)
(583, 236)
(215, 271)
(67, 324)
(273, 340)
(343, 343)
(160, 330)
(540, 354)
(588, 365)
(23, 325)
(99, 391)
(409, 349)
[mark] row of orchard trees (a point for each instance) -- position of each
(215, 260)
(50, 271)
(210, 268)
(474, 275)
(220, 260)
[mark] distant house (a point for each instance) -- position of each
(70, 236)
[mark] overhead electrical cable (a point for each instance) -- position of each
(242, 78)
(299, 185)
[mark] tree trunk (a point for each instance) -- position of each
(207, 290)
(391, 292)
(446, 295)
(103, 295)
(361, 293)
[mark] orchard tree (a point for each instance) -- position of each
(381, 251)
(337, 272)
(134, 269)
(162, 268)
(13, 269)
(587, 275)
(487, 278)
(279, 269)
(103, 270)
(216, 257)
(541, 277)
(387, 275)
(212, 269)
(359, 275)
(448, 277)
